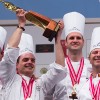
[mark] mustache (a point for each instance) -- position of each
(28, 64)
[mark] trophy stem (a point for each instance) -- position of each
(36, 19)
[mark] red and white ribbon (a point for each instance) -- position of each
(75, 77)
(27, 88)
(95, 90)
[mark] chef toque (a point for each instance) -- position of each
(26, 44)
(74, 22)
(95, 39)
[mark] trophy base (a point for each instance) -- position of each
(51, 30)
(50, 34)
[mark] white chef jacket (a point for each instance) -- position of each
(12, 87)
(63, 89)
(85, 93)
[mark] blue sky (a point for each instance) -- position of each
(53, 8)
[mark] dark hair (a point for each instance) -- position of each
(18, 59)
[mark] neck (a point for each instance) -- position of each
(28, 75)
(75, 56)
(96, 70)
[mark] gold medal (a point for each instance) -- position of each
(74, 94)
(29, 98)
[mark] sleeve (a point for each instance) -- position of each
(52, 77)
(49, 95)
(61, 91)
(8, 64)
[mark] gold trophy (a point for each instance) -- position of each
(50, 26)
(73, 95)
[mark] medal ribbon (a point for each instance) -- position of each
(95, 90)
(75, 77)
(27, 88)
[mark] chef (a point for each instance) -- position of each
(19, 82)
(78, 67)
(91, 89)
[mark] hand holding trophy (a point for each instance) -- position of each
(50, 26)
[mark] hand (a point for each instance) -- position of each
(61, 26)
(20, 13)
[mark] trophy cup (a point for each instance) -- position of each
(50, 26)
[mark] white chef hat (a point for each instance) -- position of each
(3, 34)
(95, 39)
(74, 22)
(26, 44)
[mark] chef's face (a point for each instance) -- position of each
(74, 41)
(26, 64)
(94, 57)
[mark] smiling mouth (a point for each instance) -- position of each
(97, 59)
(75, 45)
(29, 66)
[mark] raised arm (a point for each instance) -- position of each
(57, 70)
(8, 64)
(58, 47)
(15, 37)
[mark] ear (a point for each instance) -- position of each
(1, 52)
(83, 40)
(66, 43)
(17, 65)
(89, 58)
